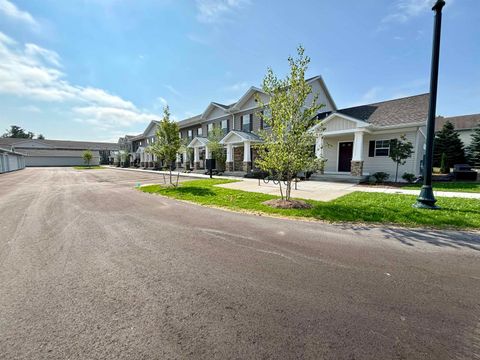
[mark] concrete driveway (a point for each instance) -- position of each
(91, 268)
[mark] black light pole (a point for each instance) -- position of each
(427, 200)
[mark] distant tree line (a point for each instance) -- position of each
(19, 133)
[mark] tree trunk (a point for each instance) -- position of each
(281, 192)
(396, 173)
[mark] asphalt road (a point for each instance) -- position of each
(91, 268)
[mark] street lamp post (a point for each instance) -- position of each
(426, 199)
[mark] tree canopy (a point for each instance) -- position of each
(473, 150)
(287, 144)
(448, 142)
(18, 133)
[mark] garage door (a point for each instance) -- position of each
(57, 161)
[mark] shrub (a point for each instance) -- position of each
(409, 177)
(380, 177)
(444, 168)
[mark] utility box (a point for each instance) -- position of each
(210, 164)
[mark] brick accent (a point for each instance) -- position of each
(196, 165)
(247, 166)
(229, 166)
(356, 168)
(238, 158)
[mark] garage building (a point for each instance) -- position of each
(60, 152)
(11, 161)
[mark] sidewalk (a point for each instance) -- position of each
(312, 190)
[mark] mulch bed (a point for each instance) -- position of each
(290, 204)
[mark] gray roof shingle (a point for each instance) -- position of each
(463, 122)
(61, 144)
(407, 110)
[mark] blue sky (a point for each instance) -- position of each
(98, 69)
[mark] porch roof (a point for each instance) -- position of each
(236, 136)
(198, 141)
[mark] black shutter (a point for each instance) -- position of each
(371, 148)
(251, 122)
(261, 119)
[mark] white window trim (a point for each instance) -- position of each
(382, 148)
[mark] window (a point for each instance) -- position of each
(209, 128)
(267, 113)
(190, 133)
(225, 126)
(200, 131)
(246, 123)
(382, 147)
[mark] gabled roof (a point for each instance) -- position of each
(10, 152)
(57, 153)
(246, 96)
(198, 141)
(463, 122)
(210, 108)
(243, 136)
(407, 110)
(152, 124)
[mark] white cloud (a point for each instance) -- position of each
(172, 90)
(407, 9)
(35, 51)
(162, 101)
(11, 11)
(32, 72)
(211, 11)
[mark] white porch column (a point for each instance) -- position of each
(178, 158)
(229, 161)
(247, 159)
(356, 168)
(246, 152)
(208, 154)
(196, 154)
(319, 147)
(358, 146)
(229, 153)
(185, 157)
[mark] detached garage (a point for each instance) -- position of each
(41, 157)
(11, 161)
(60, 152)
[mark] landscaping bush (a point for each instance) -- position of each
(408, 177)
(444, 168)
(257, 174)
(380, 177)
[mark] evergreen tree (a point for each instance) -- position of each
(448, 142)
(473, 149)
(18, 133)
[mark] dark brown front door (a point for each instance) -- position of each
(345, 152)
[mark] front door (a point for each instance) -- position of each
(345, 152)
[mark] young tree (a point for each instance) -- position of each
(167, 142)
(287, 145)
(400, 150)
(217, 149)
(18, 133)
(40, 137)
(448, 141)
(473, 149)
(87, 157)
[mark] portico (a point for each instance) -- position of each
(239, 150)
(200, 152)
(342, 144)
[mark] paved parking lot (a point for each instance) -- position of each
(91, 268)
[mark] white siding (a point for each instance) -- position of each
(384, 163)
(338, 123)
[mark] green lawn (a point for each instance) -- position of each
(83, 167)
(460, 186)
(355, 207)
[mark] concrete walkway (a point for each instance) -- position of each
(311, 190)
